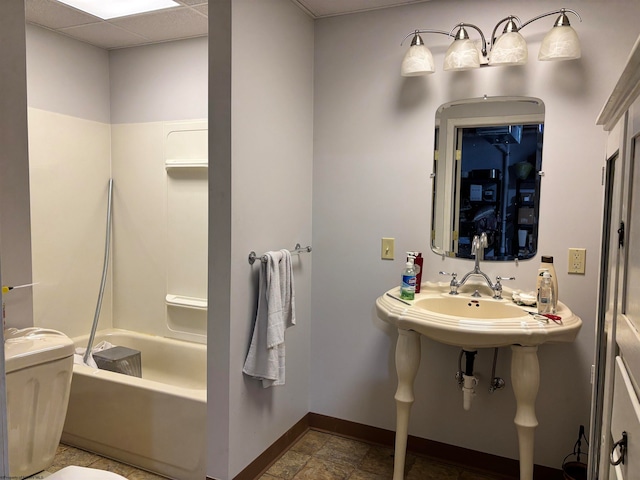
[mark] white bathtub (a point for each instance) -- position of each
(156, 422)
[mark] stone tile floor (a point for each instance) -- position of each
(315, 456)
(67, 455)
(322, 456)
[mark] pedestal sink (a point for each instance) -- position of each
(472, 322)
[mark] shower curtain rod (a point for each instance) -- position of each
(297, 250)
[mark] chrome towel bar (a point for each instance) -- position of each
(297, 250)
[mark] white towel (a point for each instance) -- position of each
(276, 312)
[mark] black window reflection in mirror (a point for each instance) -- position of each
(487, 177)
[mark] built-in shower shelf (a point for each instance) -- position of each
(186, 302)
(186, 163)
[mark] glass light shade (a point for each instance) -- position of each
(561, 43)
(417, 61)
(509, 49)
(462, 55)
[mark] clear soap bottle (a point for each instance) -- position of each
(546, 294)
(546, 263)
(408, 286)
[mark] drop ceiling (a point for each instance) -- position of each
(187, 20)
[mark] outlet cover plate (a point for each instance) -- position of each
(577, 260)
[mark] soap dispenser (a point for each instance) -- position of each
(546, 264)
(408, 286)
(546, 295)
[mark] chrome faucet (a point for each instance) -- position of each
(478, 245)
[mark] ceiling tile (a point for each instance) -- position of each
(186, 21)
(327, 8)
(171, 24)
(203, 9)
(52, 14)
(104, 35)
(193, 2)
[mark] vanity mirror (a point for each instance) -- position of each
(487, 168)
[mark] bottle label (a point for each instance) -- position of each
(408, 287)
(408, 281)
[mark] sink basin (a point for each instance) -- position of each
(474, 322)
(469, 307)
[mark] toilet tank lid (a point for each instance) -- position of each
(33, 346)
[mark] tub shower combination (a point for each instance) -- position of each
(156, 422)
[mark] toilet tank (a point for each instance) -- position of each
(39, 366)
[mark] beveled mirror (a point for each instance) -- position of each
(487, 169)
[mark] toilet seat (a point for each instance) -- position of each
(84, 473)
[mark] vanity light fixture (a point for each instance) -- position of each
(510, 48)
(118, 8)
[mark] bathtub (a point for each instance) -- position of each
(156, 422)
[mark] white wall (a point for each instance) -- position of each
(373, 141)
(262, 150)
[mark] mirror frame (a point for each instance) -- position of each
(473, 112)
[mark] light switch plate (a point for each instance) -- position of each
(388, 248)
(577, 260)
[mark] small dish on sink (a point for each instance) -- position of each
(524, 298)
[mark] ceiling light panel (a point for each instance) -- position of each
(118, 8)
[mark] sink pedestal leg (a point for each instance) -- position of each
(407, 362)
(525, 378)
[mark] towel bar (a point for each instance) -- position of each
(297, 250)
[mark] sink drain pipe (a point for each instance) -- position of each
(468, 381)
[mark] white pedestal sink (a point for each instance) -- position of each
(471, 323)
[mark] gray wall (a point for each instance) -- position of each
(166, 81)
(371, 159)
(261, 148)
(15, 236)
(67, 76)
(373, 141)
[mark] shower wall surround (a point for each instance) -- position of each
(69, 166)
(160, 232)
(86, 125)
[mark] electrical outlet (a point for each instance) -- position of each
(388, 248)
(577, 260)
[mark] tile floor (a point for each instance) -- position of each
(315, 456)
(67, 455)
(322, 456)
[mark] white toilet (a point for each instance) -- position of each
(39, 367)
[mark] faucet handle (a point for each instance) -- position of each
(497, 288)
(454, 275)
(499, 278)
(453, 284)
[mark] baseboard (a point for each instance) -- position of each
(506, 468)
(472, 459)
(260, 465)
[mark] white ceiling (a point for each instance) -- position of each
(186, 21)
